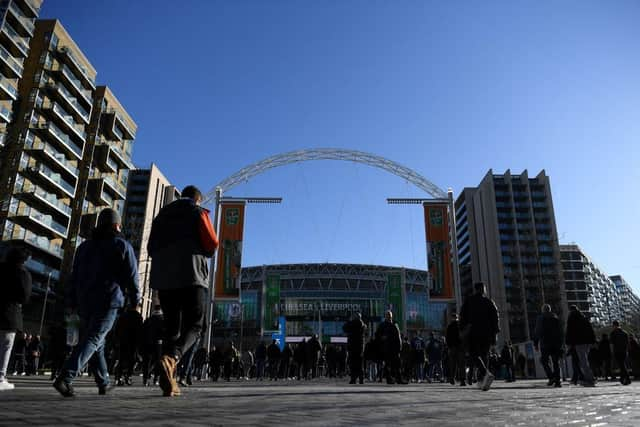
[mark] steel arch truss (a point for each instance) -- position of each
(283, 159)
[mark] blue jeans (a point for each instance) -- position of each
(97, 326)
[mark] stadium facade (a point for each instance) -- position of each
(320, 298)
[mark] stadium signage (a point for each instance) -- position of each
(293, 308)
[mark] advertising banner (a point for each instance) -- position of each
(230, 250)
(439, 250)
(272, 302)
(394, 297)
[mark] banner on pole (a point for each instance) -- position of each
(272, 302)
(230, 251)
(394, 297)
(439, 250)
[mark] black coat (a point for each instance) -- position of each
(619, 341)
(482, 314)
(355, 330)
(579, 330)
(548, 333)
(15, 291)
(453, 335)
(388, 338)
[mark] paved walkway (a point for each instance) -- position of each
(323, 403)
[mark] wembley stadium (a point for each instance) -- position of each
(320, 298)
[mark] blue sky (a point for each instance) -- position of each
(449, 89)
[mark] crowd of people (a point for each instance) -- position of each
(167, 348)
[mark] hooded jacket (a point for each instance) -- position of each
(15, 291)
(181, 240)
(548, 332)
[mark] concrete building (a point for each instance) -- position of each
(17, 27)
(148, 191)
(67, 154)
(507, 238)
(588, 287)
(629, 302)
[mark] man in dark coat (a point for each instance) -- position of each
(418, 346)
(313, 349)
(34, 351)
(273, 356)
(480, 315)
(620, 343)
(456, 351)
(355, 330)
(152, 333)
(548, 338)
(105, 270)
(181, 241)
(604, 351)
(581, 337)
(300, 357)
(390, 343)
(129, 336)
(261, 360)
(14, 292)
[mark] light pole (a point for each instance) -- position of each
(44, 306)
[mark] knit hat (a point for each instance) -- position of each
(107, 218)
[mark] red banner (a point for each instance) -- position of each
(439, 250)
(230, 251)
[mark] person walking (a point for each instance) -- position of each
(128, 333)
(417, 344)
(390, 342)
(581, 337)
(479, 319)
(261, 360)
(34, 352)
(355, 330)
(313, 349)
(14, 292)
(620, 343)
(604, 351)
(273, 357)
(506, 359)
(182, 238)
(548, 338)
(152, 345)
(104, 271)
(456, 351)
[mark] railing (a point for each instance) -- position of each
(13, 62)
(27, 22)
(68, 119)
(83, 70)
(6, 85)
(121, 120)
(112, 164)
(17, 38)
(6, 114)
(48, 148)
(114, 184)
(54, 177)
(72, 101)
(42, 219)
(63, 137)
(77, 84)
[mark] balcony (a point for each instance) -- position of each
(5, 114)
(116, 187)
(40, 242)
(61, 187)
(102, 156)
(61, 138)
(40, 223)
(78, 111)
(10, 66)
(123, 160)
(75, 63)
(66, 119)
(7, 90)
(37, 196)
(18, 45)
(76, 84)
(96, 193)
(128, 133)
(48, 152)
(25, 25)
(32, 7)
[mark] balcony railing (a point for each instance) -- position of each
(15, 65)
(72, 101)
(27, 23)
(44, 220)
(53, 177)
(68, 120)
(6, 114)
(35, 240)
(6, 85)
(17, 39)
(76, 83)
(83, 71)
(124, 125)
(54, 154)
(115, 185)
(62, 138)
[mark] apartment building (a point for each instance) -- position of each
(67, 154)
(507, 238)
(629, 302)
(17, 27)
(148, 191)
(588, 287)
